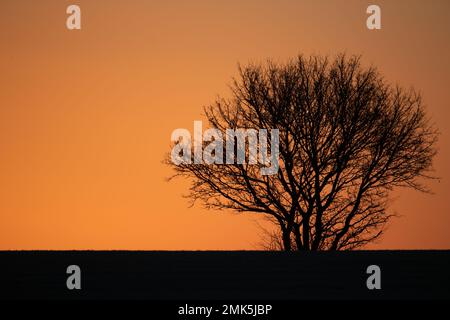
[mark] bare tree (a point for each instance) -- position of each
(347, 138)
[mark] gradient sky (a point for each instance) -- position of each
(86, 116)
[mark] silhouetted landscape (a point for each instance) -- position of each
(215, 275)
(225, 159)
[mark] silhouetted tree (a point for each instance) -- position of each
(347, 138)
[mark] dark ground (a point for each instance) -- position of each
(222, 275)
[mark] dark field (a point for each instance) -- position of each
(222, 275)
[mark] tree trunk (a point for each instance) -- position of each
(298, 237)
(287, 241)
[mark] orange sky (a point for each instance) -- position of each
(86, 116)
